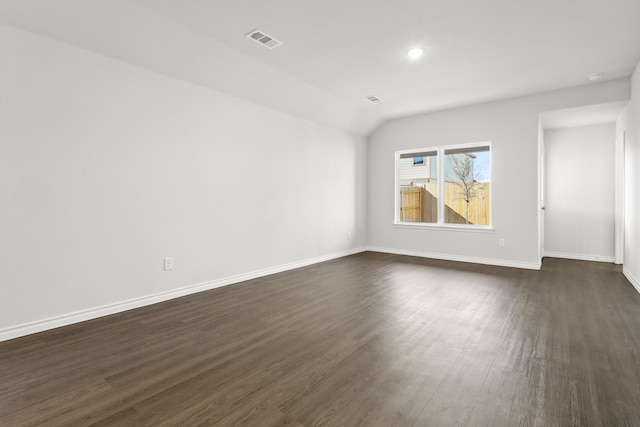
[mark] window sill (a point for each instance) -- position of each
(447, 227)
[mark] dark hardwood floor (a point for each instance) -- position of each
(371, 339)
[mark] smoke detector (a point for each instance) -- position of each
(595, 76)
(264, 39)
(373, 99)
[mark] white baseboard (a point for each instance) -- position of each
(580, 257)
(631, 278)
(449, 257)
(105, 310)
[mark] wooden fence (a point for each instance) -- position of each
(419, 204)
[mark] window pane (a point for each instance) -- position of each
(418, 187)
(467, 186)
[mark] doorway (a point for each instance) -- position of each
(579, 192)
(579, 184)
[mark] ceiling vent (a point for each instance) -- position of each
(374, 99)
(264, 39)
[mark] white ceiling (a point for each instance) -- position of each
(337, 52)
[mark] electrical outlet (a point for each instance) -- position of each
(348, 235)
(501, 242)
(168, 264)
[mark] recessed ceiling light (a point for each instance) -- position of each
(415, 53)
(595, 76)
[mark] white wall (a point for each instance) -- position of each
(106, 168)
(512, 126)
(629, 124)
(580, 190)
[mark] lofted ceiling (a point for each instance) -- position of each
(335, 53)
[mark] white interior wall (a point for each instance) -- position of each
(512, 126)
(629, 125)
(580, 191)
(106, 168)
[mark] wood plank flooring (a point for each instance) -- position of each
(367, 340)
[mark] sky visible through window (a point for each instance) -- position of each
(482, 166)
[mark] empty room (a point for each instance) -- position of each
(305, 213)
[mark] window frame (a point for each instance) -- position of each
(441, 225)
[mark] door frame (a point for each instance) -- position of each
(541, 183)
(621, 135)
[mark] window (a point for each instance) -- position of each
(461, 174)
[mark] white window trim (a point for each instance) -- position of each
(441, 225)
